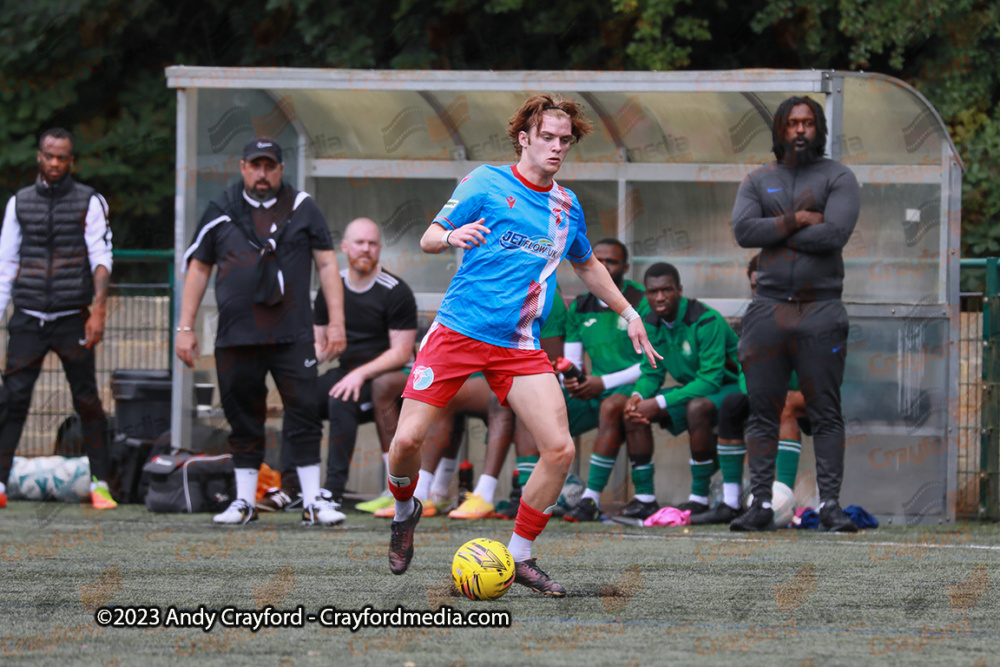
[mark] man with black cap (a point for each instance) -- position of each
(261, 233)
(801, 211)
(55, 265)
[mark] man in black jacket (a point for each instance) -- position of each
(56, 270)
(801, 211)
(261, 233)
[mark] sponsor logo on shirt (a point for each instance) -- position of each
(541, 246)
(422, 376)
(452, 203)
(590, 322)
(686, 349)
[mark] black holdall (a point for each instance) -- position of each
(190, 482)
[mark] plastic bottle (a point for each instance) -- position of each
(569, 369)
(465, 475)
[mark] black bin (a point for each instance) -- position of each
(142, 403)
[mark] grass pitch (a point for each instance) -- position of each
(636, 596)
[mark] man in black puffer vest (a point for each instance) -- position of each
(55, 264)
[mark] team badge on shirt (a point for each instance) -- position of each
(423, 376)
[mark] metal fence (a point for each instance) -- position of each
(138, 334)
(978, 410)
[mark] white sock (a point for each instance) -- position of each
(3, 488)
(424, 483)
(731, 494)
(593, 495)
(246, 485)
(385, 459)
(309, 481)
(442, 476)
(486, 487)
(645, 497)
(519, 548)
(404, 509)
(698, 499)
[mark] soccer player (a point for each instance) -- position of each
(801, 211)
(699, 352)
(599, 400)
(515, 225)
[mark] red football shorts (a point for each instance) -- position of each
(448, 358)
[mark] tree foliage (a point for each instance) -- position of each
(96, 67)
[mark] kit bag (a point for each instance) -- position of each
(190, 482)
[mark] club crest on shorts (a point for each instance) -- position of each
(423, 376)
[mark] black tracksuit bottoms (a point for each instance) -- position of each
(810, 338)
(242, 372)
(30, 339)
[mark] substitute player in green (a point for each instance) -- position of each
(699, 352)
(598, 401)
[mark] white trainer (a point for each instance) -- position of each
(239, 513)
(322, 511)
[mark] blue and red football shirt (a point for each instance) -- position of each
(503, 291)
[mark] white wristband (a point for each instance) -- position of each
(629, 314)
(447, 235)
(661, 400)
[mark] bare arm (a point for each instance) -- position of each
(186, 342)
(473, 234)
(399, 352)
(599, 283)
(333, 292)
(94, 328)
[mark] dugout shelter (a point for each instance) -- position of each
(660, 172)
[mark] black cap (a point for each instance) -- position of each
(262, 147)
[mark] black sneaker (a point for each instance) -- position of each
(834, 520)
(527, 573)
(275, 500)
(507, 509)
(401, 542)
(585, 510)
(721, 513)
(694, 506)
(638, 509)
(756, 518)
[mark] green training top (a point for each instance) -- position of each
(603, 332)
(555, 323)
(699, 351)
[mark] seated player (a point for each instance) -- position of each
(699, 352)
(380, 314)
(439, 456)
(480, 503)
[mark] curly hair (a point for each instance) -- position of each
(535, 107)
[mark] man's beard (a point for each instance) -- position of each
(795, 156)
(262, 195)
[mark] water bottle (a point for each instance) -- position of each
(569, 369)
(465, 475)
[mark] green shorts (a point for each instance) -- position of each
(586, 415)
(676, 420)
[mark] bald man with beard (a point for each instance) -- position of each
(381, 318)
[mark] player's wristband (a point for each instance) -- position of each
(661, 400)
(446, 237)
(180, 329)
(630, 314)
